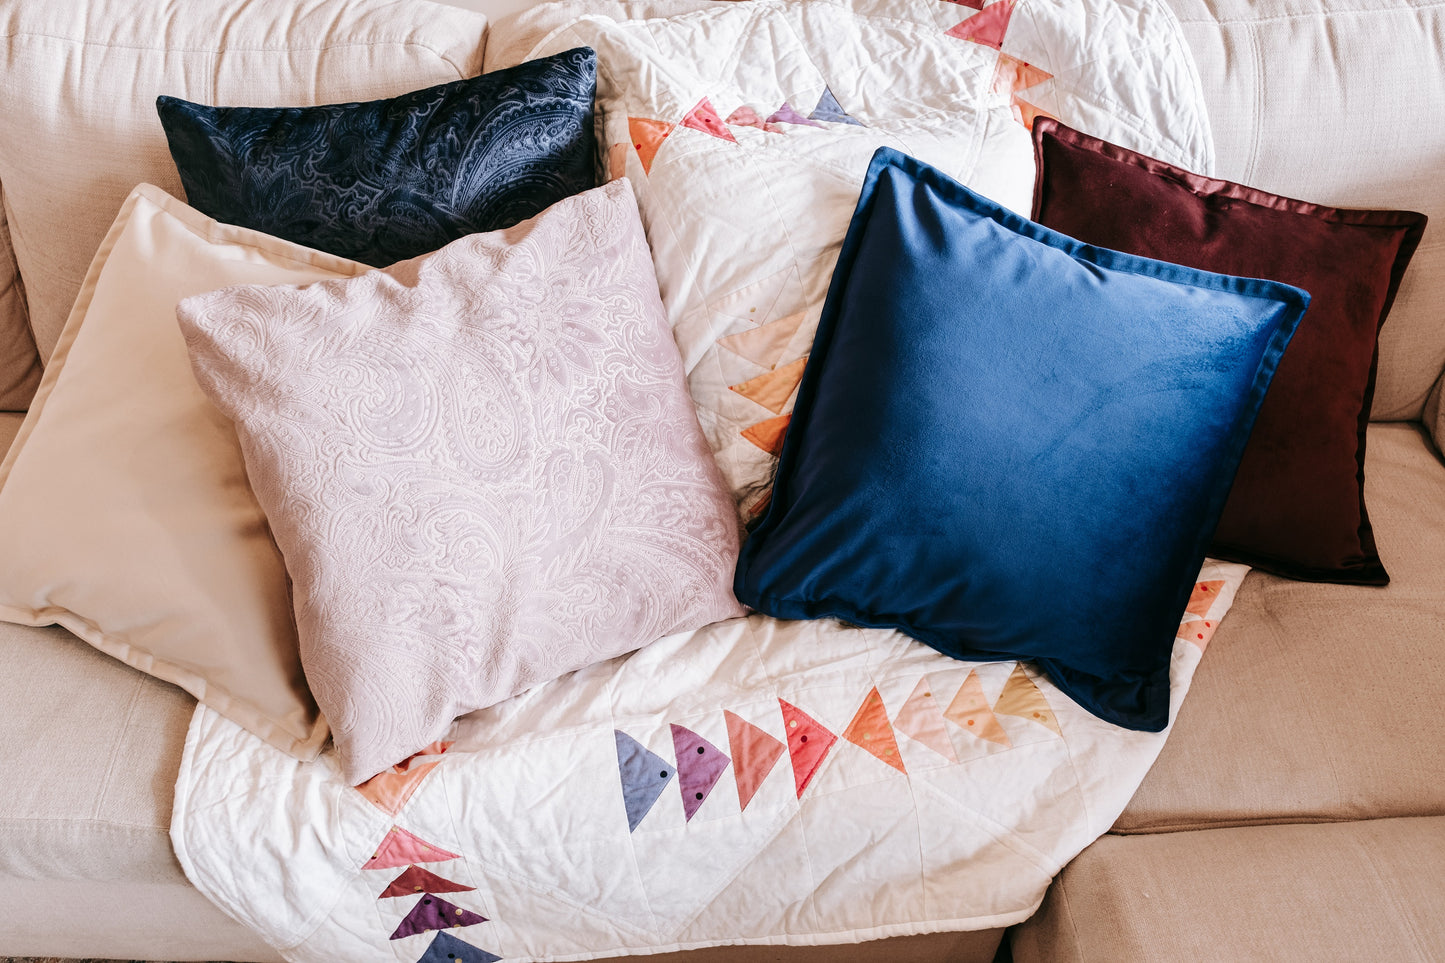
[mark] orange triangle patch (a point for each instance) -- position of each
(766, 343)
(754, 753)
(808, 744)
(769, 435)
(772, 390)
(1012, 74)
(922, 721)
(1020, 697)
(389, 790)
(1197, 633)
(1026, 113)
(704, 118)
(971, 711)
(1203, 596)
(988, 26)
(870, 730)
(400, 848)
(647, 137)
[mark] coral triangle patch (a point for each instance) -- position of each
(647, 137)
(704, 118)
(699, 766)
(1203, 596)
(446, 948)
(645, 775)
(830, 110)
(766, 343)
(988, 26)
(970, 710)
(401, 848)
(808, 744)
(922, 721)
(870, 730)
(787, 115)
(417, 880)
(755, 752)
(745, 116)
(434, 913)
(1012, 74)
(1026, 113)
(389, 790)
(1197, 633)
(772, 390)
(768, 435)
(1020, 697)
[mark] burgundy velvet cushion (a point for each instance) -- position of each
(1297, 507)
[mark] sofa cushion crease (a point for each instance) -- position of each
(1328, 693)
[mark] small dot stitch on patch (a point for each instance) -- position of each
(700, 750)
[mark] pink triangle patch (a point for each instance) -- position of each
(922, 721)
(755, 752)
(1026, 113)
(401, 848)
(988, 26)
(704, 118)
(1197, 633)
(808, 744)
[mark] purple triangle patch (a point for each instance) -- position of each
(830, 110)
(434, 913)
(787, 115)
(699, 766)
(446, 948)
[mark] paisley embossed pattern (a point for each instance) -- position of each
(387, 180)
(482, 467)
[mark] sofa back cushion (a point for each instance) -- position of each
(79, 80)
(1339, 101)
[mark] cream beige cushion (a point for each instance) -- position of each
(1341, 102)
(79, 79)
(1322, 702)
(19, 362)
(1337, 893)
(125, 514)
(91, 748)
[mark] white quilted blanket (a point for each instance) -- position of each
(757, 781)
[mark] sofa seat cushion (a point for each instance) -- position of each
(91, 748)
(1360, 890)
(1321, 702)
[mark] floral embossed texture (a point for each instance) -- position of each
(482, 467)
(386, 180)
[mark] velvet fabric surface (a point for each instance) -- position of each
(1298, 503)
(387, 180)
(1008, 444)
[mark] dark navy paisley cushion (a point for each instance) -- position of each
(387, 180)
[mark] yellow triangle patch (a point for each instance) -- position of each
(1020, 697)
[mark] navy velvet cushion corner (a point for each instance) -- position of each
(1011, 445)
(386, 180)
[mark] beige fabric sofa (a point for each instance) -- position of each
(1298, 810)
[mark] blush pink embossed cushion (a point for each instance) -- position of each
(482, 467)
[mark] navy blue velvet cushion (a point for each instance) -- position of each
(1011, 445)
(386, 180)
